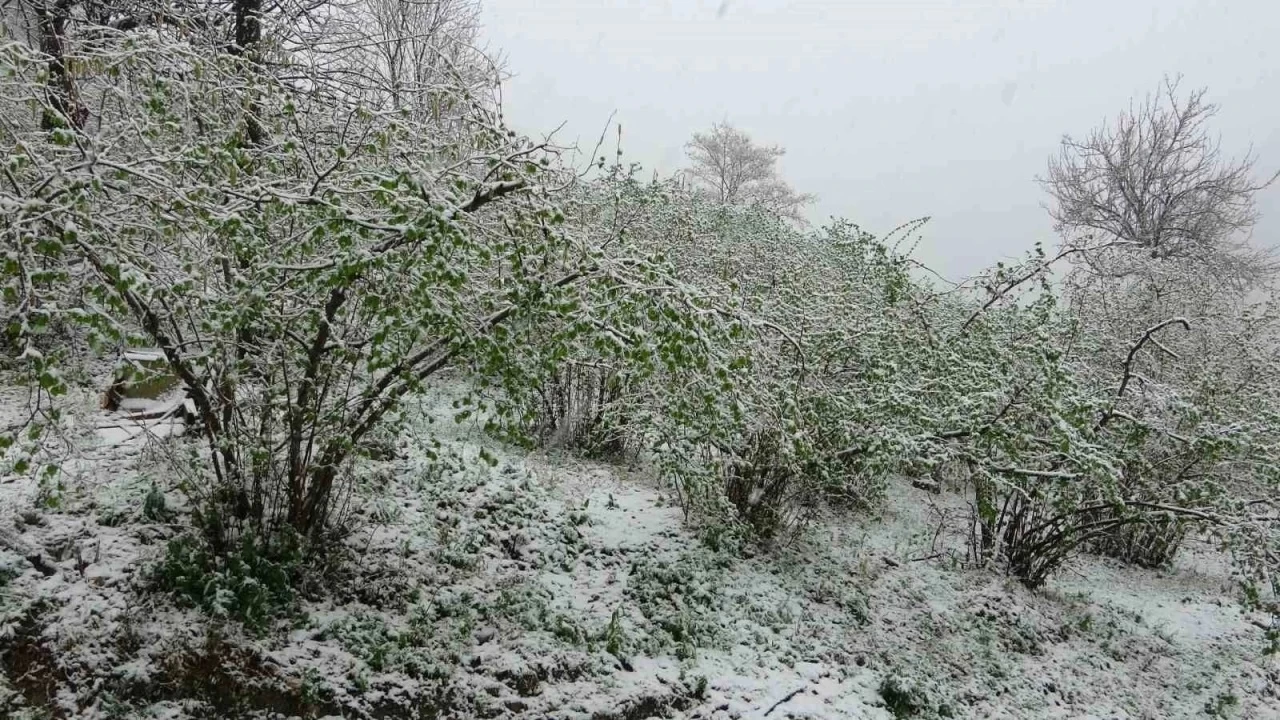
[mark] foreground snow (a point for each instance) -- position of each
(544, 587)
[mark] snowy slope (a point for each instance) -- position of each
(547, 587)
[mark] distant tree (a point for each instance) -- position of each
(1156, 219)
(416, 47)
(1156, 180)
(727, 163)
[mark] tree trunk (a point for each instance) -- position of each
(248, 15)
(984, 497)
(64, 108)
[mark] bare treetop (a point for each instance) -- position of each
(726, 162)
(1155, 179)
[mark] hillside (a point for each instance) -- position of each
(547, 587)
(327, 391)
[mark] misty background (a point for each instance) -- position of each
(892, 110)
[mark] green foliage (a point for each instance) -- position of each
(315, 689)
(727, 376)
(901, 698)
(301, 288)
(1222, 706)
(614, 637)
(681, 599)
(154, 506)
(248, 584)
(698, 688)
(49, 492)
(816, 364)
(427, 649)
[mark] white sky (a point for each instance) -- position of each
(892, 110)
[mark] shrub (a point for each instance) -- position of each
(575, 408)
(613, 635)
(303, 255)
(154, 506)
(1148, 542)
(773, 492)
(901, 698)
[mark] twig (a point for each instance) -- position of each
(1128, 365)
(927, 558)
(790, 695)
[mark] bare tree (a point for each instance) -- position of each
(421, 43)
(1155, 179)
(729, 164)
(1156, 218)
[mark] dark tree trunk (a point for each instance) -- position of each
(248, 17)
(64, 108)
(248, 25)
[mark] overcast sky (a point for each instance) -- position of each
(892, 110)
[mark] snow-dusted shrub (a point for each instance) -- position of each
(304, 254)
(840, 366)
(907, 695)
(1074, 436)
(574, 408)
(900, 697)
(764, 488)
(1199, 392)
(1148, 543)
(1155, 221)
(762, 424)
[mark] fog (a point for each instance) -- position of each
(891, 110)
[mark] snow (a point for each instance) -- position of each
(508, 578)
(135, 433)
(143, 355)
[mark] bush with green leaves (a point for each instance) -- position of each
(1071, 440)
(1072, 436)
(764, 418)
(840, 363)
(304, 255)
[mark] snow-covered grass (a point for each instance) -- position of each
(540, 586)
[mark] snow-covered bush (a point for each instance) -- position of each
(760, 424)
(304, 246)
(821, 363)
(1074, 436)
(1156, 221)
(830, 354)
(573, 406)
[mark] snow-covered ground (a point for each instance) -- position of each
(548, 587)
